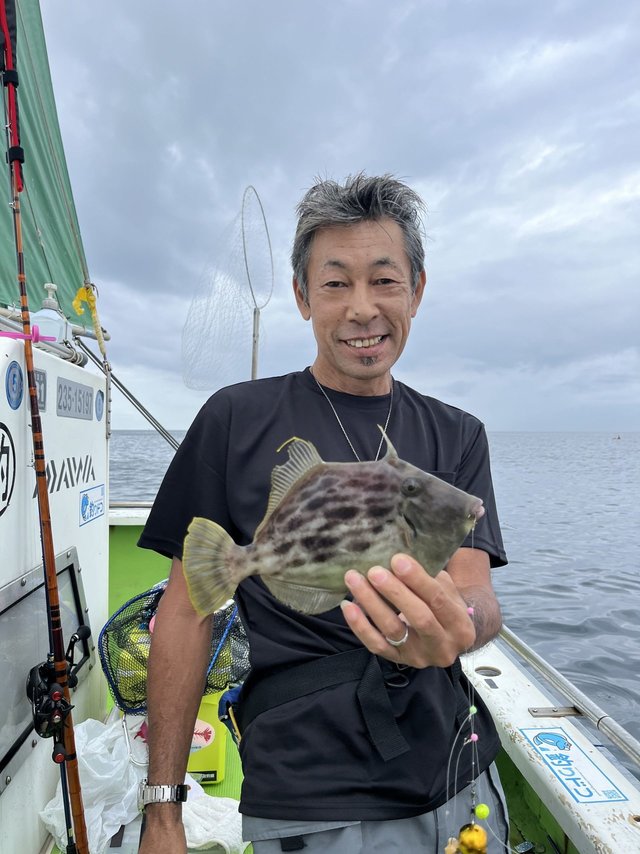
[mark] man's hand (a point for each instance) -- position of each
(440, 618)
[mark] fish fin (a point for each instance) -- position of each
(309, 600)
(391, 453)
(206, 564)
(303, 458)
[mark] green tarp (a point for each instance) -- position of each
(52, 245)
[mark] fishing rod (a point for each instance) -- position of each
(48, 683)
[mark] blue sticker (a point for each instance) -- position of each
(14, 385)
(92, 504)
(99, 405)
(585, 781)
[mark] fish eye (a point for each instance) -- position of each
(411, 486)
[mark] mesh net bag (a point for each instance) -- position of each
(125, 640)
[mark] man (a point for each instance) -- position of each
(374, 762)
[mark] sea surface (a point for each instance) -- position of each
(569, 505)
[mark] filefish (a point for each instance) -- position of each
(325, 518)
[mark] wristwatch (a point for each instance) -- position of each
(160, 794)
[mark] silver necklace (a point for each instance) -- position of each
(346, 435)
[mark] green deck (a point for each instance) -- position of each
(131, 570)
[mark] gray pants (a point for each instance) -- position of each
(423, 834)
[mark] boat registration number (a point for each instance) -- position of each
(74, 400)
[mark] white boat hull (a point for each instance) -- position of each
(76, 452)
(592, 797)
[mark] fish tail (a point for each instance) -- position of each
(207, 565)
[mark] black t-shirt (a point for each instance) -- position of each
(311, 758)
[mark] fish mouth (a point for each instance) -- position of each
(477, 512)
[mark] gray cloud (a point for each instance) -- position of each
(520, 125)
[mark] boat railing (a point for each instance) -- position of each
(14, 316)
(63, 351)
(603, 722)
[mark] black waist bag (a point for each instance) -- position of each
(354, 665)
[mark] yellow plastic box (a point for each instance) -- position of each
(209, 744)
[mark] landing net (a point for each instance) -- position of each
(220, 337)
(125, 641)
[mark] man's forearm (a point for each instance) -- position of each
(178, 660)
(487, 618)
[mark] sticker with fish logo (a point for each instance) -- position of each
(92, 504)
(203, 735)
(14, 385)
(578, 773)
(560, 742)
(325, 518)
(7, 467)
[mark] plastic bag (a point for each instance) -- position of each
(213, 824)
(109, 782)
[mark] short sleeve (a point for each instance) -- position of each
(194, 485)
(474, 476)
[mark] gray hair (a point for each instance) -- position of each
(361, 199)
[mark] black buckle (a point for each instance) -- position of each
(292, 843)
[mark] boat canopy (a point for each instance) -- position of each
(53, 248)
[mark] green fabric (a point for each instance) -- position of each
(46, 203)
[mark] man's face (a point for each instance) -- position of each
(360, 303)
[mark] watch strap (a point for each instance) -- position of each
(159, 794)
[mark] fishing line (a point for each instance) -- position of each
(475, 810)
(451, 783)
(503, 845)
(479, 811)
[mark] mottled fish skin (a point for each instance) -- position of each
(340, 516)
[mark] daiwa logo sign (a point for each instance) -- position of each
(71, 471)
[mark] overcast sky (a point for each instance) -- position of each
(519, 123)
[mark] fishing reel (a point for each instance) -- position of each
(49, 706)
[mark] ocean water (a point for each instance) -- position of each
(569, 505)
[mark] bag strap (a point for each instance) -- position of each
(303, 679)
(460, 684)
